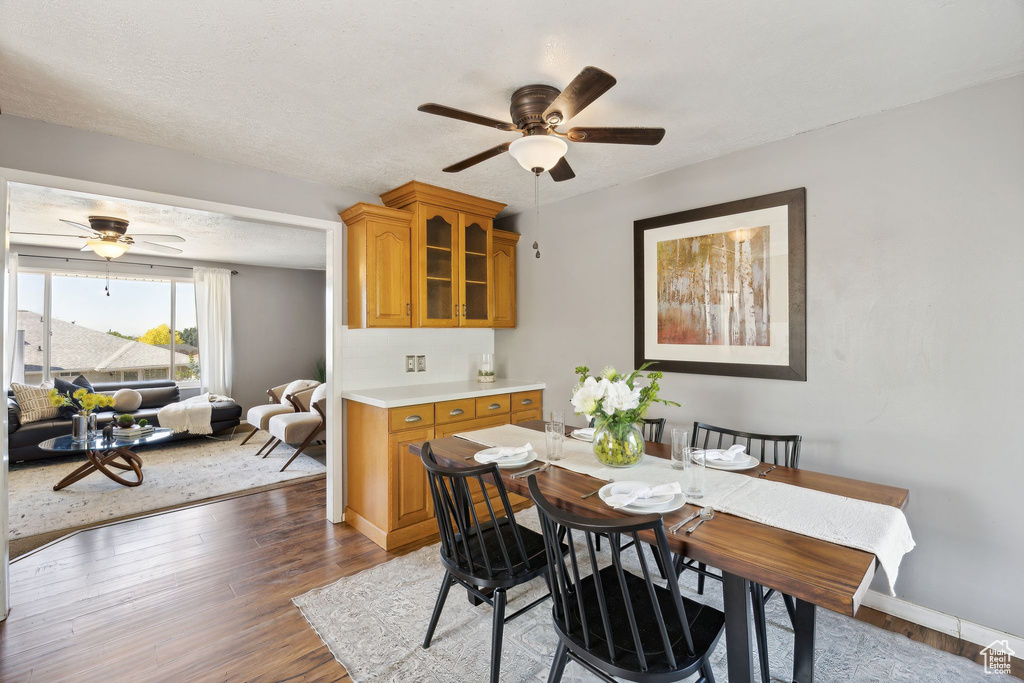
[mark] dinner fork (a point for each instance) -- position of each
(597, 490)
(765, 473)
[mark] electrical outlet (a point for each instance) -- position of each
(410, 363)
(421, 363)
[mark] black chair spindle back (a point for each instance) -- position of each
(783, 450)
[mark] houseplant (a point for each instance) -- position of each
(86, 402)
(617, 404)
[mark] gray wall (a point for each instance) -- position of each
(277, 316)
(915, 234)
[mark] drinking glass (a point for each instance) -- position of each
(695, 467)
(558, 418)
(680, 448)
(554, 434)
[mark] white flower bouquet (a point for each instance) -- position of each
(617, 404)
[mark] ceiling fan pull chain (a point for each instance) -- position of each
(106, 288)
(536, 212)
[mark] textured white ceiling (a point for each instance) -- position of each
(328, 90)
(208, 236)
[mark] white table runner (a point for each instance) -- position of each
(872, 527)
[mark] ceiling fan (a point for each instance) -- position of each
(537, 111)
(107, 237)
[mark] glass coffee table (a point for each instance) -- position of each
(103, 454)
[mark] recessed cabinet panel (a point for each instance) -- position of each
(503, 278)
(379, 266)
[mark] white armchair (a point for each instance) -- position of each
(302, 427)
(259, 416)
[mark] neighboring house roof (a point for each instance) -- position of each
(187, 349)
(78, 348)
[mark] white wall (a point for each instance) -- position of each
(376, 357)
(915, 321)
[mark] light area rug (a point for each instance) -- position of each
(374, 622)
(180, 473)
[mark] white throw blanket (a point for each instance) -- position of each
(191, 415)
(872, 527)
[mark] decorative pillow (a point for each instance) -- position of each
(34, 402)
(69, 388)
(127, 400)
(296, 386)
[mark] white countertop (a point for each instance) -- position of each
(395, 397)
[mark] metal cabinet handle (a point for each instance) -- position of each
(413, 418)
(408, 309)
(494, 406)
(463, 310)
(457, 411)
(527, 401)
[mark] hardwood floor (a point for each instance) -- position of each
(204, 593)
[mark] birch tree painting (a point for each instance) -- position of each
(713, 289)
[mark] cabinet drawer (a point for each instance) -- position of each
(492, 405)
(455, 411)
(411, 417)
(527, 400)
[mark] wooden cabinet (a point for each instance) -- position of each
(503, 278)
(379, 266)
(453, 277)
(389, 498)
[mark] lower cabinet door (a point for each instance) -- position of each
(527, 415)
(410, 490)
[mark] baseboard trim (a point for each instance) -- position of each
(940, 621)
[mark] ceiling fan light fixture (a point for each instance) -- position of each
(538, 151)
(108, 249)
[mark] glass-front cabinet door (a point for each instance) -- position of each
(475, 271)
(439, 260)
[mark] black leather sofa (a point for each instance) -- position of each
(23, 440)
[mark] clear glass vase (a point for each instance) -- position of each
(619, 445)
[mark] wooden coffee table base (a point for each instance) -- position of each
(99, 461)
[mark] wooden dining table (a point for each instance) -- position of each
(816, 573)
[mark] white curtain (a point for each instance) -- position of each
(213, 318)
(12, 319)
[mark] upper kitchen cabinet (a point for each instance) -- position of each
(379, 266)
(503, 278)
(452, 275)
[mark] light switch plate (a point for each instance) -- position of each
(410, 363)
(421, 363)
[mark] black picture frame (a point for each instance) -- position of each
(796, 202)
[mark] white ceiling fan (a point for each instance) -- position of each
(108, 237)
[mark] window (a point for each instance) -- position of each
(126, 336)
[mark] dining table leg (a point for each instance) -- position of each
(739, 649)
(803, 647)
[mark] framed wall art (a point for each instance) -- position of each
(721, 290)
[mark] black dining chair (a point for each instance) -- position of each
(480, 549)
(780, 450)
(615, 622)
(653, 429)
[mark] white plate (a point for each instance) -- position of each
(735, 466)
(526, 458)
(579, 435)
(621, 487)
(677, 501)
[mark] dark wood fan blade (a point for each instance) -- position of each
(561, 171)
(149, 246)
(78, 225)
(158, 238)
(588, 85)
(476, 159)
(618, 136)
(469, 117)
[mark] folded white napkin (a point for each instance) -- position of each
(586, 431)
(505, 453)
(731, 455)
(623, 499)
